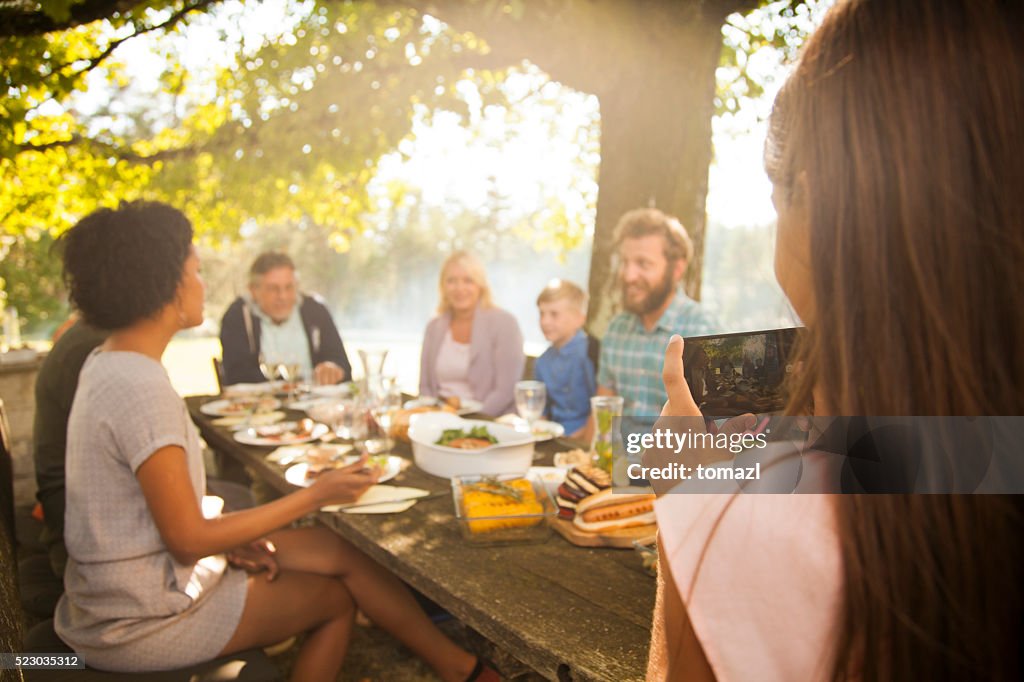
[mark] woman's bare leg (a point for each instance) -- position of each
(378, 593)
(294, 603)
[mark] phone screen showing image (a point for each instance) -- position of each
(733, 374)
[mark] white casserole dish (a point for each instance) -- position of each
(512, 454)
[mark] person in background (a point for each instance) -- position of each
(55, 390)
(654, 251)
(567, 366)
(897, 171)
(472, 349)
(279, 324)
(152, 584)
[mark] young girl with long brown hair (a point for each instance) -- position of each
(895, 150)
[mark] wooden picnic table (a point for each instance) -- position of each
(567, 612)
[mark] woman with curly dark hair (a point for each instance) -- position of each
(147, 583)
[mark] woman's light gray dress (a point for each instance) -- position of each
(128, 605)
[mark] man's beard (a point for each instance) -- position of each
(655, 298)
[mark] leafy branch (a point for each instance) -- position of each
(20, 22)
(110, 149)
(171, 22)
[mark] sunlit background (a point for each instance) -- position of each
(488, 180)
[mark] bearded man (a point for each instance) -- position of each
(653, 251)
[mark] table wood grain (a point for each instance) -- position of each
(569, 613)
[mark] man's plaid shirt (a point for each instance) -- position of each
(631, 356)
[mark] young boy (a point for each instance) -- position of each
(567, 367)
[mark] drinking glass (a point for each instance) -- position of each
(291, 373)
(357, 425)
(606, 410)
(383, 409)
(340, 415)
(531, 396)
(373, 360)
(268, 368)
(373, 368)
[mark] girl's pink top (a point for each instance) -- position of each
(760, 576)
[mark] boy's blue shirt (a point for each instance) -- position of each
(568, 374)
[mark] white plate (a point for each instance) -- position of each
(232, 407)
(332, 390)
(307, 402)
(251, 389)
(241, 422)
(467, 405)
(296, 473)
(543, 430)
(278, 434)
(289, 454)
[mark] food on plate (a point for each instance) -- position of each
(572, 458)
(320, 460)
(542, 432)
(469, 443)
(400, 419)
(244, 405)
(476, 438)
(606, 511)
(500, 504)
(452, 401)
(238, 407)
(296, 431)
(580, 483)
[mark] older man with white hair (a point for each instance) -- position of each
(280, 324)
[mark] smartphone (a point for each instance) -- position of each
(732, 374)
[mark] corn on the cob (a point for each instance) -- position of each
(479, 503)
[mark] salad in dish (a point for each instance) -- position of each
(475, 438)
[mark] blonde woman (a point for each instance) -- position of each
(472, 349)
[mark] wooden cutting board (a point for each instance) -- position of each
(622, 538)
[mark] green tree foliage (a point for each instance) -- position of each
(292, 129)
(30, 275)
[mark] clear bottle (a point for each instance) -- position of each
(607, 411)
(373, 372)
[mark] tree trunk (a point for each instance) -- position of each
(652, 66)
(655, 151)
